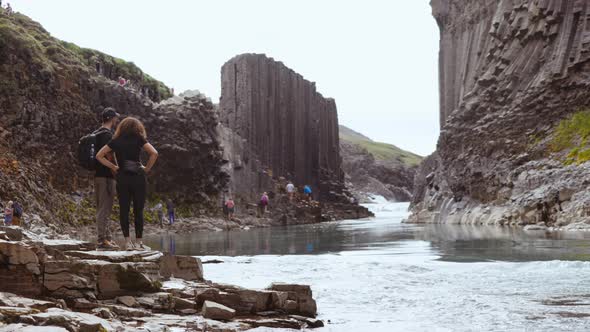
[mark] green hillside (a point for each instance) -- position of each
(381, 151)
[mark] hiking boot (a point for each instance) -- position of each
(129, 246)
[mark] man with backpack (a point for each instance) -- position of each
(104, 181)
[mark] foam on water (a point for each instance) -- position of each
(405, 286)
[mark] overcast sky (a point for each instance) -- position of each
(377, 58)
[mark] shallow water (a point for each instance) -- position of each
(382, 275)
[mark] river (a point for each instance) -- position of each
(380, 274)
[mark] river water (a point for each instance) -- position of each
(382, 275)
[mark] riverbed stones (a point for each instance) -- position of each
(213, 310)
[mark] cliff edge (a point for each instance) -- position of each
(513, 92)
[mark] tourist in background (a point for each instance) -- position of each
(263, 203)
(160, 213)
(8, 214)
(127, 143)
(17, 213)
(290, 190)
(307, 192)
(230, 206)
(170, 208)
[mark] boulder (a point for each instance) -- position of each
(213, 310)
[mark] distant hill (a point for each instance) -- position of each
(380, 151)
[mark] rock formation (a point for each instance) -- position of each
(280, 127)
(67, 285)
(376, 168)
(510, 73)
(276, 127)
(52, 93)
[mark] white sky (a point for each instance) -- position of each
(377, 58)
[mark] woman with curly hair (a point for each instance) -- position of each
(127, 143)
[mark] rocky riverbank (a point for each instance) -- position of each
(513, 148)
(67, 285)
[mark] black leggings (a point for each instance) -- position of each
(131, 187)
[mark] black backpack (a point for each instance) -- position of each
(87, 150)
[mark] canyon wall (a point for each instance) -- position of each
(512, 72)
(278, 125)
(53, 92)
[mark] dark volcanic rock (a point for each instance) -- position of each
(509, 72)
(278, 126)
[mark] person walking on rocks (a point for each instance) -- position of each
(290, 190)
(104, 181)
(230, 206)
(127, 143)
(263, 203)
(8, 214)
(170, 208)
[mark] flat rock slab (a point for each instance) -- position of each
(67, 245)
(213, 310)
(117, 256)
(72, 320)
(29, 328)
(13, 300)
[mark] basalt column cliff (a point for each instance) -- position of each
(514, 87)
(278, 126)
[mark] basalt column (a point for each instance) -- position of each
(278, 125)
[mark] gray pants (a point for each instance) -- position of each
(104, 190)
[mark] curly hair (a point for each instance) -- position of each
(130, 126)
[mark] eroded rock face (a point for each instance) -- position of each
(509, 71)
(278, 126)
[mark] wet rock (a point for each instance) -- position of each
(217, 311)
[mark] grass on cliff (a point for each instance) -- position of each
(379, 150)
(22, 37)
(572, 134)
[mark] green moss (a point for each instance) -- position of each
(572, 134)
(25, 38)
(381, 151)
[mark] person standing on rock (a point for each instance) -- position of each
(230, 206)
(8, 214)
(307, 192)
(290, 190)
(104, 181)
(127, 143)
(17, 213)
(160, 213)
(263, 203)
(170, 208)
